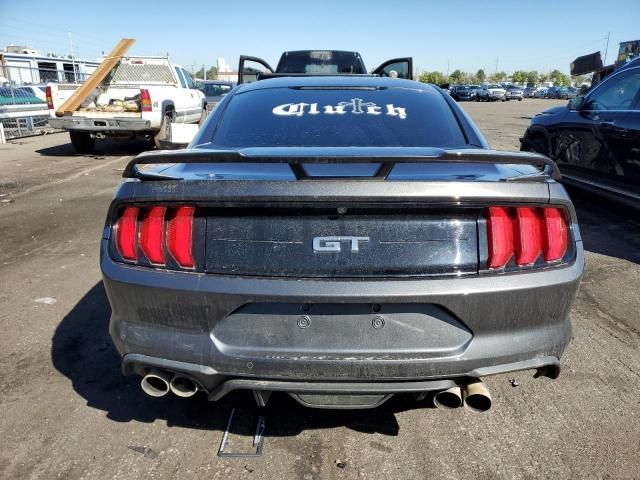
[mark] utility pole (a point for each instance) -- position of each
(606, 48)
(204, 72)
(496, 65)
(73, 59)
(447, 69)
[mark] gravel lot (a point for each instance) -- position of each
(66, 411)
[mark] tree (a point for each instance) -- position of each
(578, 80)
(457, 76)
(532, 78)
(558, 78)
(543, 77)
(497, 77)
(519, 76)
(432, 77)
(212, 74)
(481, 76)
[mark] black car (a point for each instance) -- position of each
(320, 62)
(596, 138)
(341, 239)
(213, 91)
(462, 92)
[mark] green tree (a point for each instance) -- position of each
(481, 76)
(543, 77)
(558, 78)
(457, 76)
(578, 80)
(532, 78)
(497, 77)
(519, 76)
(212, 74)
(432, 77)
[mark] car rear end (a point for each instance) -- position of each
(339, 275)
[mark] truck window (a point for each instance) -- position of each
(180, 78)
(188, 79)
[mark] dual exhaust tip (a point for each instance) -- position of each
(474, 396)
(157, 383)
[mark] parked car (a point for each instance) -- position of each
(462, 92)
(214, 91)
(566, 93)
(596, 138)
(142, 96)
(474, 91)
(342, 239)
(540, 93)
(320, 62)
(491, 92)
(529, 92)
(552, 92)
(514, 93)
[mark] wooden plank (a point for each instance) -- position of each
(73, 102)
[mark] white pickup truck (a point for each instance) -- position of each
(141, 96)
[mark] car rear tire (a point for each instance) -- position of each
(82, 142)
(536, 144)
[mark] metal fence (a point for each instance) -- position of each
(23, 103)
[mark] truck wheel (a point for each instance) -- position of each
(163, 134)
(82, 142)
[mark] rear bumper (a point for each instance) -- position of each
(247, 330)
(101, 124)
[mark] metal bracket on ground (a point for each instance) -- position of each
(258, 440)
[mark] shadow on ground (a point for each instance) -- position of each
(607, 227)
(103, 148)
(83, 352)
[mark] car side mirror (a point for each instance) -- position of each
(577, 103)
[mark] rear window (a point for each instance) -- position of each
(320, 62)
(294, 117)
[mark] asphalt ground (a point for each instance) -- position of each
(67, 412)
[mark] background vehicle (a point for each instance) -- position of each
(540, 93)
(529, 92)
(552, 92)
(566, 93)
(462, 92)
(474, 91)
(596, 138)
(293, 249)
(514, 93)
(319, 62)
(213, 91)
(491, 92)
(141, 96)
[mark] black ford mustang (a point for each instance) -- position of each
(341, 239)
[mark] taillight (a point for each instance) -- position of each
(526, 234)
(152, 235)
(500, 236)
(49, 96)
(156, 230)
(126, 234)
(145, 100)
(179, 236)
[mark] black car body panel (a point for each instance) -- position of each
(341, 274)
(596, 138)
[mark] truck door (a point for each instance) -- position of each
(250, 68)
(402, 66)
(193, 100)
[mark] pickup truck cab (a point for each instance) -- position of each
(141, 96)
(320, 62)
(491, 92)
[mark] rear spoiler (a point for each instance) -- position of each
(548, 168)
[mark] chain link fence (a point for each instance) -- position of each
(23, 102)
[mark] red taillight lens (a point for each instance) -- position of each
(49, 96)
(527, 233)
(145, 100)
(556, 234)
(152, 235)
(500, 236)
(180, 237)
(126, 233)
(528, 236)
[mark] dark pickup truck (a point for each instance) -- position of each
(320, 62)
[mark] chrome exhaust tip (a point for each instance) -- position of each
(155, 383)
(183, 387)
(476, 397)
(448, 399)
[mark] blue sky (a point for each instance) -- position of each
(540, 35)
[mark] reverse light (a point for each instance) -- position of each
(525, 234)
